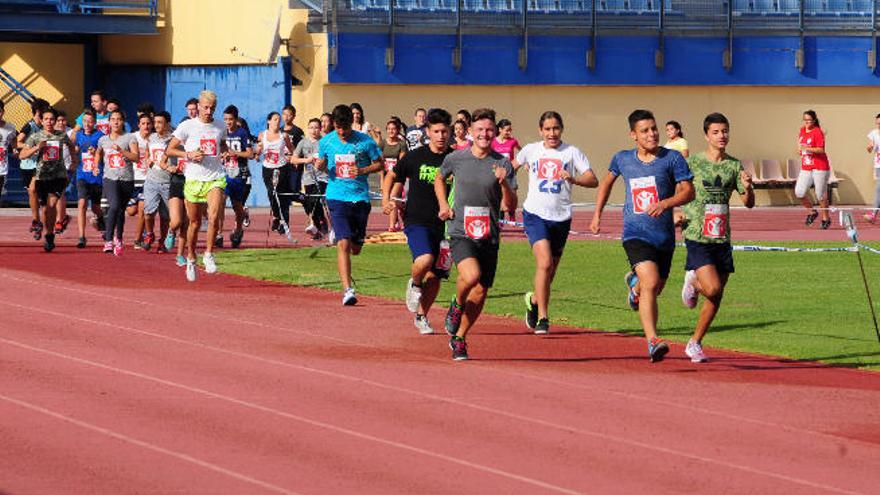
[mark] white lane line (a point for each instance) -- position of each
(146, 445)
(301, 419)
(486, 367)
(456, 402)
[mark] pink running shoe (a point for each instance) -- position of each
(117, 247)
(688, 291)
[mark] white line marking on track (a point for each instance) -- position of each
(146, 445)
(302, 419)
(486, 409)
(487, 367)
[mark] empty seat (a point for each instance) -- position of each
(500, 5)
(575, 5)
(765, 6)
(790, 6)
(639, 5)
(794, 168)
(838, 6)
(474, 5)
(771, 171)
(863, 6)
(814, 6)
(614, 5)
(546, 5)
(749, 167)
(742, 5)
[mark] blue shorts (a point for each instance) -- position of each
(423, 240)
(349, 219)
(138, 195)
(702, 254)
(538, 229)
(238, 189)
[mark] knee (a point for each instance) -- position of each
(356, 248)
(544, 263)
(712, 291)
(650, 285)
(470, 278)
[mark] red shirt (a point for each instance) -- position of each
(813, 138)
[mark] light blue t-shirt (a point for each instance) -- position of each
(648, 183)
(342, 157)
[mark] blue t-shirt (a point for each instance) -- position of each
(648, 183)
(238, 140)
(84, 142)
(342, 157)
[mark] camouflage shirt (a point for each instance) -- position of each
(707, 217)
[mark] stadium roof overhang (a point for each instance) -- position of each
(24, 22)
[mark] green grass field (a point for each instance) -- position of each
(797, 305)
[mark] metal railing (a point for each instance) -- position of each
(88, 7)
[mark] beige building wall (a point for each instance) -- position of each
(765, 120)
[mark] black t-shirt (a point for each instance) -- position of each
(296, 135)
(420, 166)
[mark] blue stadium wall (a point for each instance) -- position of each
(620, 60)
(255, 89)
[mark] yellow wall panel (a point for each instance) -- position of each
(308, 52)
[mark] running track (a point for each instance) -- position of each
(117, 376)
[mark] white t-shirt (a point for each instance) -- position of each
(549, 196)
(196, 135)
(7, 144)
(274, 152)
(140, 166)
(874, 136)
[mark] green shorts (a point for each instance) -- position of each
(196, 191)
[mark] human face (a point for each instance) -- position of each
(357, 115)
(160, 124)
(116, 123)
(420, 118)
(438, 136)
(61, 123)
(461, 116)
(229, 120)
(274, 122)
(460, 131)
(809, 123)
(506, 132)
(392, 130)
(88, 123)
(646, 135)
(287, 116)
(671, 131)
(48, 121)
(144, 125)
(112, 107)
(192, 110)
(314, 130)
(99, 104)
(718, 135)
(206, 109)
(483, 132)
(343, 132)
(551, 133)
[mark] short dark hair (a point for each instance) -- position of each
(289, 107)
(315, 120)
(39, 105)
(467, 115)
(637, 116)
(120, 112)
(550, 114)
(677, 127)
(420, 109)
(164, 114)
(88, 111)
(504, 123)
(191, 101)
(60, 113)
(98, 92)
(115, 102)
(231, 110)
(714, 118)
(51, 110)
(484, 113)
(145, 116)
(272, 114)
(342, 116)
(439, 116)
(146, 108)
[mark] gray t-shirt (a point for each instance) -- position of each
(304, 149)
(157, 145)
(477, 194)
(116, 166)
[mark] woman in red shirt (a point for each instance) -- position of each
(815, 169)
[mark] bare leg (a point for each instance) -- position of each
(545, 272)
(194, 212)
(343, 262)
(649, 288)
(216, 203)
(711, 285)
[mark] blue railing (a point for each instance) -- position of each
(89, 7)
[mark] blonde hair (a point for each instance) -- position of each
(209, 96)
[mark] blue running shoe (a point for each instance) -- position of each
(657, 349)
(181, 261)
(453, 318)
(169, 241)
(632, 297)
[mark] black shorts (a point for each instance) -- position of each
(486, 254)
(26, 177)
(44, 188)
(175, 189)
(638, 251)
(88, 191)
(702, 254)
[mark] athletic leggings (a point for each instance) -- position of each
(117, 192)
(314, 206)
(877, 189)
(281, 210)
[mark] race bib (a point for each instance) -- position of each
(2, 154)
(208, 145)
(4, 165)
(644, 193)
(103, 126)
(232, 169)
(549, 169)
(142, 161)
(52, 151)
(444, 257)
(115, 159)
(477, 224)
(158, 155)
(346, 167)
(715, 221)
(181, 165)
(272, 157)
(390, 163)
(88, 162)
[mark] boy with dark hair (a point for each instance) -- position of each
(28, 166)
(238, 175)
(89, 174)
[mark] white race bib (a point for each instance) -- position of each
(390, 163)
(103, 126)
(232, 168)
(549, 169)
(644, 193)
(444, 257)
(115, 159)
(88, 162)
(477, 223)
(715, 221)
(346, 167)
(158, 154)
(208, 145)
(52, 151)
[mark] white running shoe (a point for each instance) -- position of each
(331, 238)
(688, 291)
(695, 351)
(349, 298)
(413, 296)
(423, 325)
(311, 229)
(191, 270)
(210, 264)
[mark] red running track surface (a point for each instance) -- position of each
(117, 376)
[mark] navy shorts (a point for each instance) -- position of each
(238, 189)
(47, 187)
(349, 219)
(89, 191)
(138, 195)
(175, 190)
(485, 253)
(702, 254)
(423, 240)
(538, 229)
(638, 251)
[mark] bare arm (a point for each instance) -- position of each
(445, 212)
(387, 185)
(586, 179)
(684, 193)
(748, 197)
(173, 149)
(132, 153)
(601, 199)
(376, 166)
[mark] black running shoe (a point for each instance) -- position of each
(811, 217)
(657, 349)
(35, 226)
(49, 243)
(235, 239)
(82, 243)
(543, 327)
(825, 224)
(459, 349)
(276, 224)
(453, 318)
(531, 311)
(102, 226)
(218, 241)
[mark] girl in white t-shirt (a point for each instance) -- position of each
(275, 149)
(874, 150)
(553, 168)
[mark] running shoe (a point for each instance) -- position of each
(423, 325)
(169, 241)
(210, 264)
(102, 225)
(161, 249)
(542, 327)
(108, 247)
(657, 349)
(36, 225)
(311, 229)
(218, 241)
(688, 291)
(825, 224)
(63, 224)
(459, 349)
(531, 311)
(632, 298)
(453, 317)
(191, 272)
(235, 238)
(247, 218)
(349, 298)
(149, 239)
(317, 236)
(331, 237)
(870, 217)
(58, 227)
(37, 229)
(811, 217)
(139, 245)
(275, 224)
(117, 248)
(695, 351)
(49, 243)
(413, 296)
(81, 244)
(180, 260)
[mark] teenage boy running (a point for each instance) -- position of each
(157, 185)
(238, 175)
(89, 175)
(28, 166)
